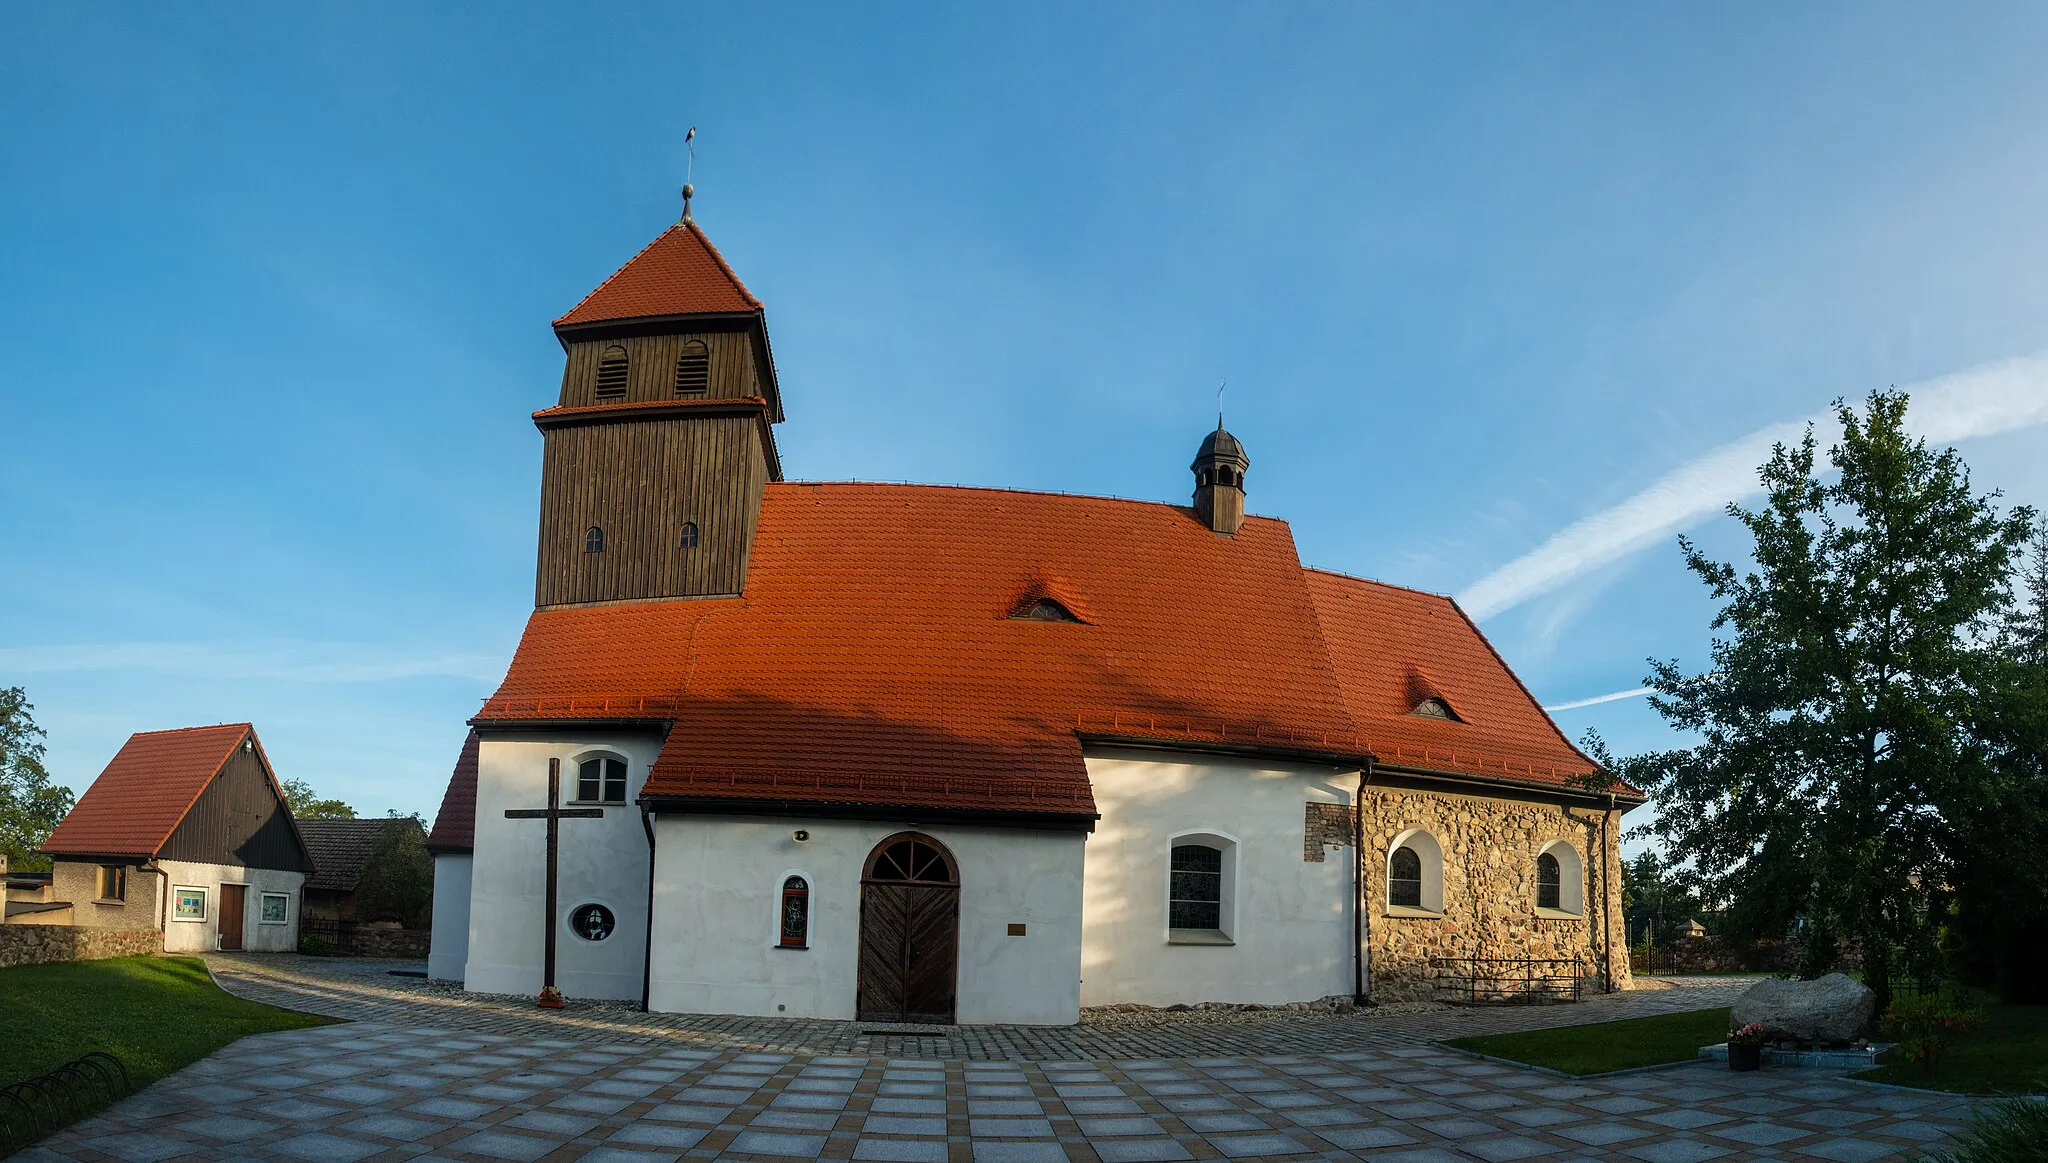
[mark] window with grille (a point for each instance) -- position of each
(688, 540)
(796, 913)
(693, 369)
(611, 373)
(593, 540)
(1404, 878)
(1548, 881)
(601, 780)
(1436, 709)
(1195, 900)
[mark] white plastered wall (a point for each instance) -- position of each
(1292, 938)
(718, 881)
(449, 950)
(204, 936)
(602, 861)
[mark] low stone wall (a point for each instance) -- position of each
(391, 944)
(34, 944)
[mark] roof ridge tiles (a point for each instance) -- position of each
(1373, 581)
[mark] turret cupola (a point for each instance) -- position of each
(1219, 481)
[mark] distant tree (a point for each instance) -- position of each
(398, 877)
(1655, 904)
(2000, 937)
(1834, 723)
(306, 803)
(30, 805)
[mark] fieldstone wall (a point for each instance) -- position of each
(1489, 888)
(393, 944)
(34, 944)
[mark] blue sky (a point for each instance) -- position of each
(1496, 289)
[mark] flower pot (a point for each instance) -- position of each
(1745, 1057)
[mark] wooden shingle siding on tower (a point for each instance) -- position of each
(651, 366)
(640, 481)
(238, 819)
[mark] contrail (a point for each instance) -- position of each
(1596, 700)
(1983, 401)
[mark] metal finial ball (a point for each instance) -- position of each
(688, 189)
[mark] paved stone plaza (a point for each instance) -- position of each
(570, 1087)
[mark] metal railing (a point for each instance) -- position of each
(51, 1101)
(1507, 980)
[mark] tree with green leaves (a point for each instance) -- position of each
(398, 876)
(30, 805)
(306, 803)
(1834, 724)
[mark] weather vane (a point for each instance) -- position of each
(1221, 383)
(689, 171)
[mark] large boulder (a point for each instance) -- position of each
(1835, 1008)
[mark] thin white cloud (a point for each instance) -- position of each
(1983, 401)
(1596, 700)
(280, 661)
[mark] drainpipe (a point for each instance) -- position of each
(1359, 930)
(1606, 914)
(163, 901)
(647, 951)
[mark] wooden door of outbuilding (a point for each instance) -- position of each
(234, 905)
(909, 932)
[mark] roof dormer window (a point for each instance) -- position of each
(1048, 610)
(1436, 709)
(611, 373)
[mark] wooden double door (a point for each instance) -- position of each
(909, 931)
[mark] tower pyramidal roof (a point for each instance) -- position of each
(679, 273)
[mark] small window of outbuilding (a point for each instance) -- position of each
(688, 537)
(794, 930)
(611, 373)
(593, 540)
(693, 369)
(601, 779)
(113, 882)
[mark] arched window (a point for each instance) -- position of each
(1195, 891)
(1415, 874)
(1436, 709)
(688, 539)
(1546, 881)
(913, 858)
(593, 540)
(601, 779)
(1404, 878)
(1560, 880)
(693, 369)
(794, 930)
(611, 373)
(1049, 610)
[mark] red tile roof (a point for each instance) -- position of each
(145, 791)
(455, 824)
(1394, 647)
(679, 273)
(874, 658)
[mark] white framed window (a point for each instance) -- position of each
(188, 903)
(601, 779)
(1415, 875)
(1201, 889)
(1560, 881)
(276, 909)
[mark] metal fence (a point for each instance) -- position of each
(1507, 980)
(39, 1106)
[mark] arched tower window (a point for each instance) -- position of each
(593, 540)
(611, 373)
(688, 538)
(693, 369)
(794, 927)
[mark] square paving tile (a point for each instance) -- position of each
(779, 1143)
(900, 1151)
(1140, 1150)
(1507, 1149)
(1241, 1146)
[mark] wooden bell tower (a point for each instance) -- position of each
(658, 451)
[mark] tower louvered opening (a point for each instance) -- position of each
(611, 374)
(693, 370)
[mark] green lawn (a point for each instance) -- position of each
(1605, 1046)
(154, 1013)
(2007, 1055)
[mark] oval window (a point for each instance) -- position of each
(592, 922)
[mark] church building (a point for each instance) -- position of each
(937, 754)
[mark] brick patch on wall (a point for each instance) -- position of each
(1324, 826)
(34, 944)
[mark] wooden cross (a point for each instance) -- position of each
(554, 813)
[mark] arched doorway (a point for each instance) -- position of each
(909, 931)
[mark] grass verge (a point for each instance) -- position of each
(154, 1013)
(2008, 1054)
(1605, 1046)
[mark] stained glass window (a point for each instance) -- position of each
(1195, 897)
(796, 912)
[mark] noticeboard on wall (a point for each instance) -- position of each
(188, 903)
